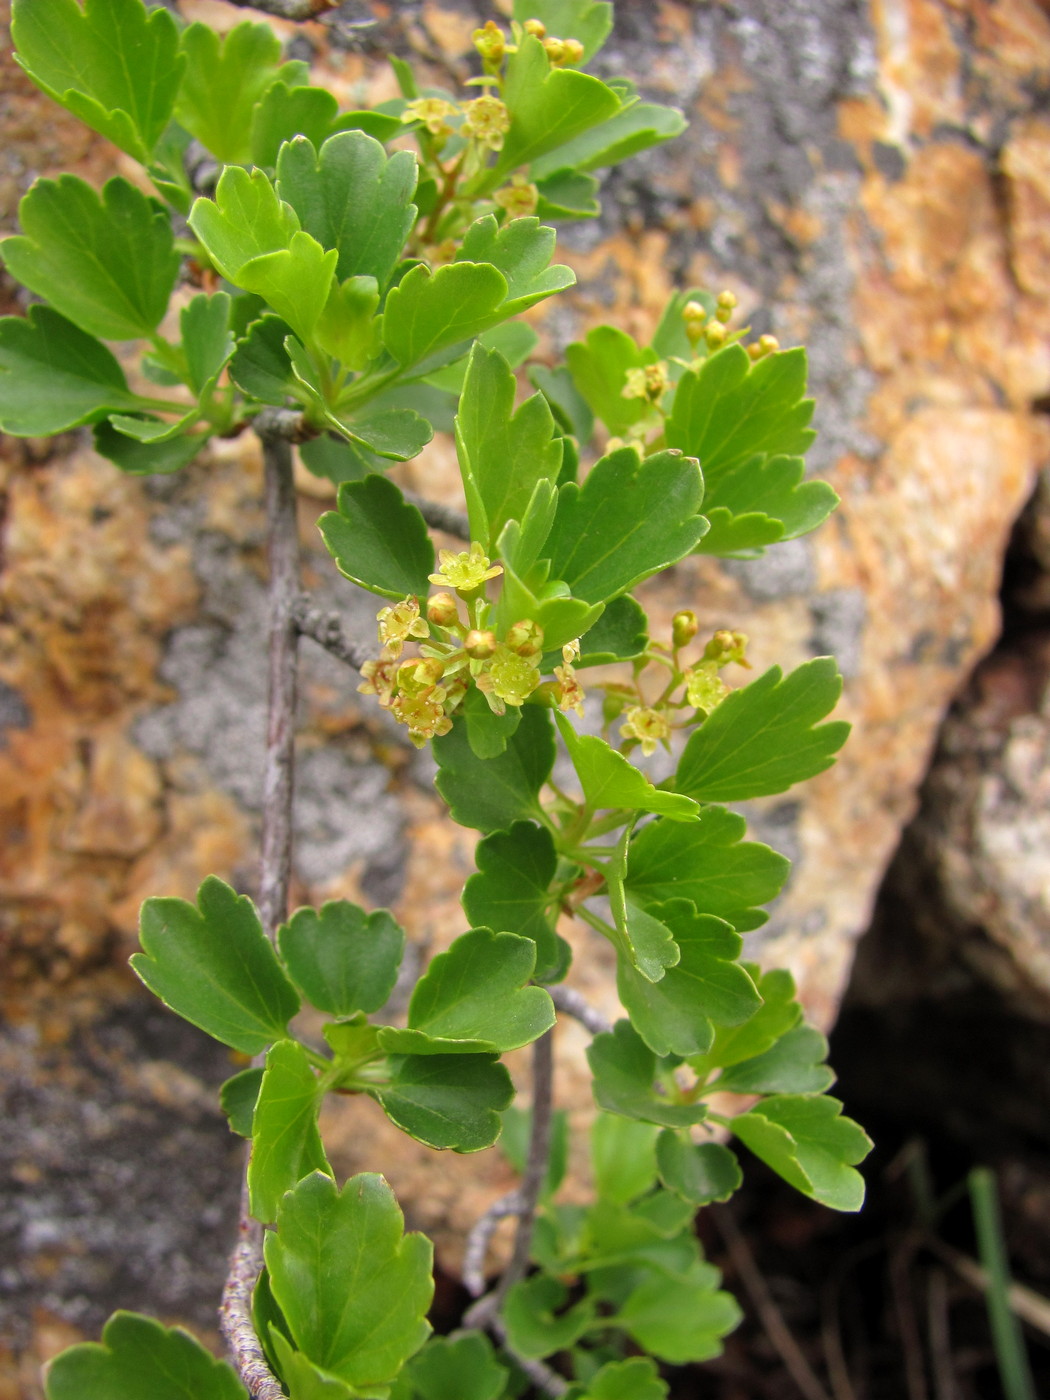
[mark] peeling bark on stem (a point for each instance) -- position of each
(291, 9)
(275, 867)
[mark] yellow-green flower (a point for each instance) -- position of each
(648, 726)
(704, 687)
(508, 678)
(465, 571)
(424, 715)
(487, 120)
(520, 198)
(433, 112)
(570, 692)
(380, 679)
(398, 623)
(648, 382)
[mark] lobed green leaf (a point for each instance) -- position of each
(139, 1357)
(698, 1172)
(511, 890)
(447, 1101)
(353, 1287)
(378, 540)
(493, 794)
(286, 1143)
(806, 1141)
(626, 1080)
(342, 959)
(213, 965)
(765, 737)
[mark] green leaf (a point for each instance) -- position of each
(630, 519)
(243, 222)
(502, 454)
(567, 403)
(636, 127)
(238, 1097)
(674, 1015)
(521, 249)
(511, 890)
(302, 1379)
(634, 1379)
(568, 194)
(589, 21)
(113, 64)
(643, 939)
(447, 1101)
(699, 1173)
(207, 341)
(353, 1287)
(533, 1316)
(394, 433)
(106, 263)
(794, 1065)
(214, 966)
(762, 501)
(488, 733)
(515, 340)
(286, 1144)
(609, 780)
(460, 1367)
(53, 376)
(348, 328)
(730, 409)
(378, 540)
(561, 618)
(342, 959)
(284, 113)
(764, 737)
(623, 1157)
(806, 1142)
(620, 634)
(260, 365)
(625, 1080)
(429, 311)
(296, 281)
(138, 1357)
(225, 78)
(599, 366)
(776, 1016)
(548, 107)
(147, 458)
(670, 340)
(352, 197)
(338, 460)
(680, 1319)
(474, 997)
(708, 863)
(493, 794)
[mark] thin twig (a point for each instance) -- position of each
(569, 1000)
(235, 1312)
(275, 865)
(769, 1314)
(278, 779)
(440, 517)
(938, 1330)
(478, 1241)
(538, 1372)
(291, 9)
(326, 628)
(900, 1261)
(481, 1313)
(1030, 1307)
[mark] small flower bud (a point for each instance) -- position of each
(725, 647)
(683, 628)
(555, 51)
(768, 344)
(419, 674)
(715, 335)
(574, 51)
(491, 44)
(535, 27)
(695, 318)
(649, 382)
(725, 307)
(479, 646)
(442, 610)
(525, 638)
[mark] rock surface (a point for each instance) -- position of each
(873, 183)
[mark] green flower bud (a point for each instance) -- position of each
(683, 628)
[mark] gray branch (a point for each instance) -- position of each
(439, 517)
(291, 9)
(540, 1374)
(326, 629)
(479, 1237)
(570, 1001)
(275, 864)
(484, 1312)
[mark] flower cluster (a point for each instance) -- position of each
(424, 692)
